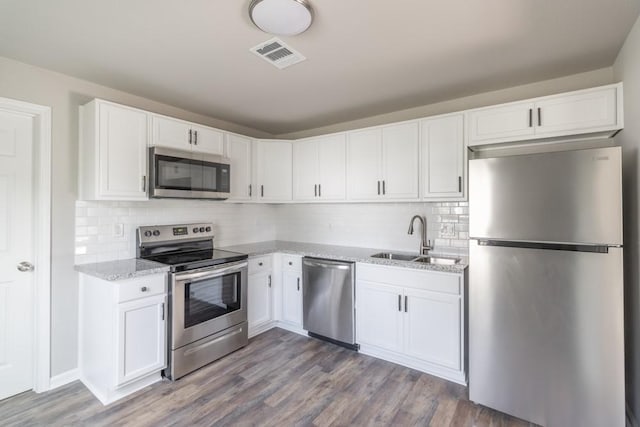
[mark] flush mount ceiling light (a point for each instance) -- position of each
(281, 17)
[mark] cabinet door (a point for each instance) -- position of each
(432, 327)
(364, 164)
(273, 171)
(259, 300)
(305, 170)
(379, 315)
(239, 153)
(141, 338)
(292, 297)
(171, 133)
(442, 143)
(400, 161)
(207, 140)
(332, 164)
(583, 112)
(123, 153)
(499, 124)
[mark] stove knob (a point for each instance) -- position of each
(195, 229)
(147, 233)
(208, 229)
(156, 233)
(202, 229)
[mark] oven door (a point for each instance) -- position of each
(207, 301)
(186, 174)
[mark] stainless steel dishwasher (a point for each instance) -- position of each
(328, 295)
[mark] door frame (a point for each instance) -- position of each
(41, 116)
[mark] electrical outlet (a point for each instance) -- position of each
(447, 230)
(118, 230)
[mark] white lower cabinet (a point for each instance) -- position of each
(412, 317)
(260, 295)
(292, 290)
(123, 344)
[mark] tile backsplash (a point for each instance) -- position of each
(105, 231)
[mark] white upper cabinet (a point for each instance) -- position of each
(238, 150)
(319, 169)
(443, 157)
(181, 135)
(596, 111)
(273, 161)
(113, 152)
(382, 163)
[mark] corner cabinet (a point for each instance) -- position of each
(443, 157)
(238, 150)
(590, 112)
(273, 170)
(122, 330)
(382, 163)
(113, 152)
(412, 317)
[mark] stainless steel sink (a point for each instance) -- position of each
(391, 255)
(417, 258)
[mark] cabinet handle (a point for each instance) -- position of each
(249, 190)
(195, 140)
(290, 263)
(384, 187)
(260, 264)
(315, 190)
(539, 116)
(399, 302)
(378, 188)
(144, 183)
(406, 301)
(190, 136)
(144, 289)
(319, 190)
(162, 317)
(269, 280)
(530, 117)
(262, 191)
(459, 184)
(298, 283)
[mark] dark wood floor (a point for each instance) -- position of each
(279, 379)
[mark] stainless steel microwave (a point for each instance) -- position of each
(177, 174)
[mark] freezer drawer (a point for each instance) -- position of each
(570, 196)
(328, 293)
(546, 334)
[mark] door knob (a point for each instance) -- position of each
(25, 266)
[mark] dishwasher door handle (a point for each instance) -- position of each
(321, 264)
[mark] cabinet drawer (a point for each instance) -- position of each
(450, 283)
(292, 262)
(142, 287)
(259, 264)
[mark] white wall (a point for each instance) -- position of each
(627, 69)
(64, 94)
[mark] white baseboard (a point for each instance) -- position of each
(64, 378)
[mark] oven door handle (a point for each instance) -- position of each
(210, 273)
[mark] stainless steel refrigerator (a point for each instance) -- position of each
(546, 336)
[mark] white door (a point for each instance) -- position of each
(496, 124)
(400, 161)
(305, 170)
(379, 315)
(207, 140)
(239, 153)
(16, 287)
(171, 133)
(332, 167)
(292, 297)
(442, 142)
(258, 300)
(274, 171)
(141, 337)
(364, 153)
(432, 327)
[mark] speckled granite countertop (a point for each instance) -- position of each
(345, 253)
(121, 270)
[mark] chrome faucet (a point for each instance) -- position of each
(425, 245)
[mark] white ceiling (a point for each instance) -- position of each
(365, 57)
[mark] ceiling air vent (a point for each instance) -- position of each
(276, 52)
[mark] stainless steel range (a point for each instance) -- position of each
(207, 294)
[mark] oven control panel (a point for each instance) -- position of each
(162, 233)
